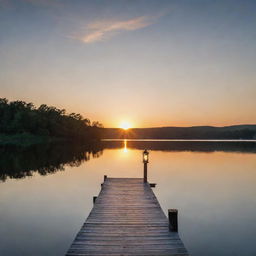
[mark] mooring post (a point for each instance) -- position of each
(105, 177)
(94, 199)
(173, 220)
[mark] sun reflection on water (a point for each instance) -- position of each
(125, 146)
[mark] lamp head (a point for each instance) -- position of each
(145, 156)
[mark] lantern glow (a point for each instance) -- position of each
(145, 156)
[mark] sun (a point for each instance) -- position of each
(125, 125)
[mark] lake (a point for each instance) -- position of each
(46, 192)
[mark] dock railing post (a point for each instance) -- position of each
(145, 172)
(173, 220)
(105, 177)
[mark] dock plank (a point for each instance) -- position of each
(126, 220)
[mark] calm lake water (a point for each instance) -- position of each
(46, 192)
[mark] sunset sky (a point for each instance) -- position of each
(147, 63)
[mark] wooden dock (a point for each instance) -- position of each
(126, 220)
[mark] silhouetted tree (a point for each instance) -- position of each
(21, 117)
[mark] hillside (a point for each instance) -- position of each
(194, 132)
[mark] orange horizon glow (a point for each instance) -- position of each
(127, 127)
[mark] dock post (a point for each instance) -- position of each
(94, 199)
(145, 173)
(173, 220)
(105, 177)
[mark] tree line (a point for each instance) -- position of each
(17, 117)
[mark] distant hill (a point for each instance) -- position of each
(195, 132)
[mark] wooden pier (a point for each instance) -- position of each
(127, 220)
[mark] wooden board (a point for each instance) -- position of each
(126, 220)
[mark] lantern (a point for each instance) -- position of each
(145, 156)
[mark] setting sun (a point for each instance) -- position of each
(125, 125)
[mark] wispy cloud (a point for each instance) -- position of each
(101, 30)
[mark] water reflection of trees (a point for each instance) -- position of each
(19, 162)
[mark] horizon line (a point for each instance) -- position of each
(193, 126)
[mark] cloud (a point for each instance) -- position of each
(101, 30)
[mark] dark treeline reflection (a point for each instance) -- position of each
(18, 162)
(200, 146)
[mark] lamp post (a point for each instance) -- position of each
(145, 161)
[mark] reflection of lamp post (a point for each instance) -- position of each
(145, 161)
